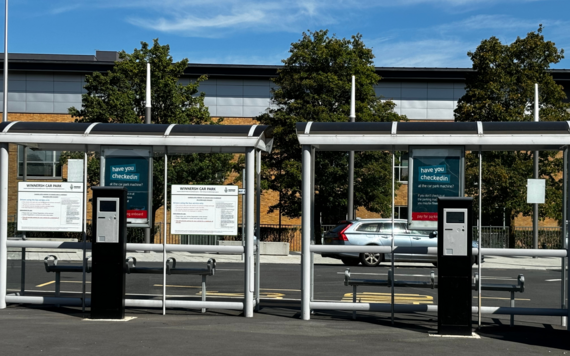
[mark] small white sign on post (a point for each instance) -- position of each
(204, 210)
(45, 206)
(75, 170)
(535, 191)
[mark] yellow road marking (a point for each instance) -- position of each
(52, 282)
(367, 297)
(475, 297)
(284, 290)
(45, 284)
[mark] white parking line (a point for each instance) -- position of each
(553, 280)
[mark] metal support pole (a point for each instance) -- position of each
(4, 156)
(536, 173)
(57, 283)
(203, 291)
(258, 232)
(84, 235)
(566, 218)
(4, 177)
(148, 112)
(5, 99)
(351, 185)
(306, 233)
(351, 155)
(564, 260)
(23, 260)
(164, 225)
(392, 242)
(313, 237)
(512, 306)
(480, 239)
(243, 182)
(249, 231)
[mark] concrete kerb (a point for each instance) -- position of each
(491, 262)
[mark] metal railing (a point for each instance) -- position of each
(548, 237)
(492, 236)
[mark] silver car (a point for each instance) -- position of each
(362, 232)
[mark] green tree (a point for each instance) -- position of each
(119, 97)
(501, 88)
(314, 85)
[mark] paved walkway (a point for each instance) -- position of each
(542, 263)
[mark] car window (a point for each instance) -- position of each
(419, 232)
(386, 228)
(368, 227)
(339, 228)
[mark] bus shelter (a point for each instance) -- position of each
(399, 136)
(165, 140)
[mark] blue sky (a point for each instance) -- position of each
(402, 33)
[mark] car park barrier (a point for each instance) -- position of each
(355, 283)
(131, 267)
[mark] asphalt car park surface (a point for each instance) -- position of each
(276, 329)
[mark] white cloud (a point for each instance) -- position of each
(203, 18)
(65, 8)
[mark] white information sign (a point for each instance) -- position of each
(204, 210)
(536, 191)
(45, 206)
(75, 170)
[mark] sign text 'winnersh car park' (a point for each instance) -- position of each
(44, 206)
(204, 209)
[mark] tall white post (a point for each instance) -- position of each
(536, 174)
(306, 234)
(566, 218)
(350, 204)
(148, 102)
(392, 241)
(313, 231)
(258, 226)
(148, 113)
(84, 235)
(165, 226)
(479, 257)
(564, 260)
(249, 231)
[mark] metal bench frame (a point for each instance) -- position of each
(131, 267)
(512, 288)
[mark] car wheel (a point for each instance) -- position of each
(370, 259)
(350, 261)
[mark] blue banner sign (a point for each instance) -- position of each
(131, 172)
(435, 173)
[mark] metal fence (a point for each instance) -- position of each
(492, 236)
(548, 237)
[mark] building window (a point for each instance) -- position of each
(41, 164)
(401, 168)
(400, 212)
